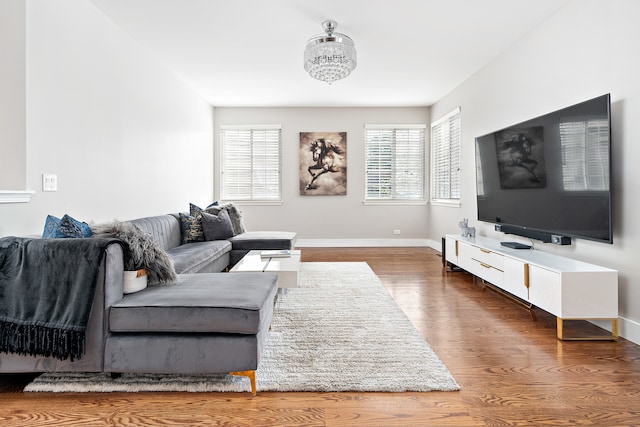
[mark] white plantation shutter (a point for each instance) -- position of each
(250, 162)
(445, 158)
(585, 155)
(395, 162)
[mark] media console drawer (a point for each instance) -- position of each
(481, 262)
(487, 272)
(488, 257)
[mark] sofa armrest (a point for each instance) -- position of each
(109, 289)
(113, 270)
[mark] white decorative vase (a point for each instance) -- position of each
(135, 281)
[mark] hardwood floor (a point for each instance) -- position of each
(511, 368)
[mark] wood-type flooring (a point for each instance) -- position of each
(511, 368)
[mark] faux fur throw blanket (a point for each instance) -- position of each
(46, 292)
(140, 251)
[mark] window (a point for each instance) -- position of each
(585, 155)
(445, 159)
(250, 163)
(395, 162)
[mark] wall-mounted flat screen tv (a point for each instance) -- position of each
(550, 175)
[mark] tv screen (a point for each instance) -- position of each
(550, 174)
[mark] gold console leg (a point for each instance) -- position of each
(612, 337)
(252, 378)
(559, 324)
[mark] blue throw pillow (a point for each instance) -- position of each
(50, 227)
(70, 227)
(67, 227)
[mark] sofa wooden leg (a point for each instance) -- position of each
(252, 378)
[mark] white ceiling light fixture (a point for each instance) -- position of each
(330, 57)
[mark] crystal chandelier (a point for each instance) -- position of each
(331, 56)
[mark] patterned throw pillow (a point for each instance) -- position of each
(50, 227)
(67, 227)
(194, 210)
(191, 228)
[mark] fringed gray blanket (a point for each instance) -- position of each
(46, 292)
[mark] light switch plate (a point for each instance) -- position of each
(49, 182)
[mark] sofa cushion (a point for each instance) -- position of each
(199, 303)
(191, 257)
(264, 240)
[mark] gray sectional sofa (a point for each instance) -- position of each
(207, 321)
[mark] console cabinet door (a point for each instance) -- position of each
(451, 250)
(464, 255)
(516, 278)
(545, 289)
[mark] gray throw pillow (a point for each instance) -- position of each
(217, 227)
(234, 214)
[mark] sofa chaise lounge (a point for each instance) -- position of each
(207, 321)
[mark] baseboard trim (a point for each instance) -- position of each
(627, 328)
(357, 243)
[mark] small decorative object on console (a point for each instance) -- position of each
(465, 230)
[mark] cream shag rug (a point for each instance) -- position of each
(339, 330)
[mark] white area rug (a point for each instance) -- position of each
(340, 330)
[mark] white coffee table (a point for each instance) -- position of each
(287, 268)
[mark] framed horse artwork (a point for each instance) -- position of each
(323, 163)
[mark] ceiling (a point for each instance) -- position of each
(248, 53)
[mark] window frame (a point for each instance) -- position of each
(394, 200)
(452, 158)
(223, 174)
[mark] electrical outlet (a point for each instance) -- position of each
(396, 232)
(49, 182)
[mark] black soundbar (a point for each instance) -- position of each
(534, 234)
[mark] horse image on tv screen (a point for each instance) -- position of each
(521, 158)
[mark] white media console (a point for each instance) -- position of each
(564, 287)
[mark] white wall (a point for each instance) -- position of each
(317, 218)
(587, 49)
(125, 136)
(12, 95)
